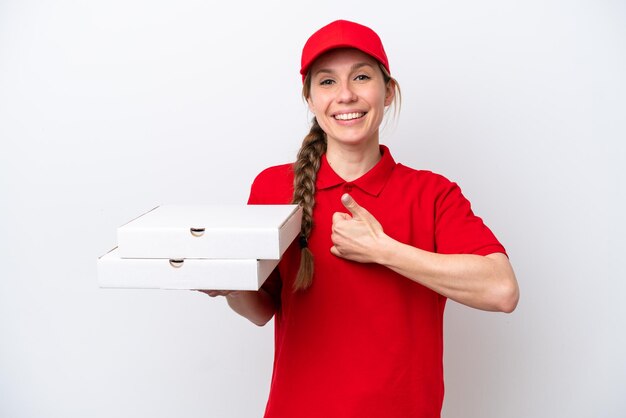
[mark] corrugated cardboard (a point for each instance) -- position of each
(117, 272)
(258, 232)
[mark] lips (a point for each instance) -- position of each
(349, 116)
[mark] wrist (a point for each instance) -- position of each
(387, 248)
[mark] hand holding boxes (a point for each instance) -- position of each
(225, 247)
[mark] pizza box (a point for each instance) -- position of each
(219, 274)
(257, 232)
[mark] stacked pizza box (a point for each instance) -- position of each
(222, 247)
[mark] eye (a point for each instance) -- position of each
(326, 82)
(362, 77)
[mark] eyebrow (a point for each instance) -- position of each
(353, 68)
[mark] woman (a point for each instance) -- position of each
(358, 300)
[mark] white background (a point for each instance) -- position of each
(109, 108)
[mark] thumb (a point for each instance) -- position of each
(354, 208)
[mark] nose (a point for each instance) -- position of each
(346, 93)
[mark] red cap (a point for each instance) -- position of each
(342, 34)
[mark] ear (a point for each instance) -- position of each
(310, 104)
(390, 92)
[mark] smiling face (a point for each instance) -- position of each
(348, 96)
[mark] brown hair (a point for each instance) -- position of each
(305, 168)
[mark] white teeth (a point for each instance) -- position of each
(349, 116)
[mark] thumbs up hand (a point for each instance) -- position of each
(357, 236)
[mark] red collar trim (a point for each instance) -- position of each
(371, 182)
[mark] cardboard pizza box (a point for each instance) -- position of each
(257, 232)
(145, 273)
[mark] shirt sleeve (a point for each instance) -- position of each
(265, 190)
(457, 229)
(273, 285)
(272, 186)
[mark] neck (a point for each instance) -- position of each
(351, 162)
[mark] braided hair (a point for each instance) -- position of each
(305, 168)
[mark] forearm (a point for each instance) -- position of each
(482, 282)
(257, 306)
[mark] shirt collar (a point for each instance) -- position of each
(371, 182)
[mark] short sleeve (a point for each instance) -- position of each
(273, 185)
(457, 229)
(273, 286)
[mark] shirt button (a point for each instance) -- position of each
(347, 188)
